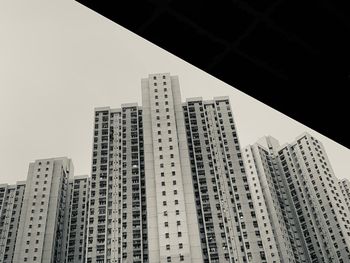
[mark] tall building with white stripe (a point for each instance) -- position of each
(173, 234)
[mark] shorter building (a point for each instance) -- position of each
(11, 200)
(43, 221)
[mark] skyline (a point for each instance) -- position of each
(56, 71)
(170, 182)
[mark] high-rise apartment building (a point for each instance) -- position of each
(278, 227)
(319, 206)
(117, 221)
(309, 196)
(11, 200)
(77, 226)
(229, 227)
(43, 222)
(173, 234)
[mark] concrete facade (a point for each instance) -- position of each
(300, 185)
(269, 194)
(117, 221)
(42, 227)
(228, 224)
(316, 198)
(172, 221)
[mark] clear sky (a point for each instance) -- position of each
(59, 60)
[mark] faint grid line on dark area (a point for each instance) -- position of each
(272, 50)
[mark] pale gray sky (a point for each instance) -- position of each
(59, 60)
